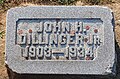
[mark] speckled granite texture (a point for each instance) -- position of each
(103, 64)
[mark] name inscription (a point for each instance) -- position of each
(59, 39)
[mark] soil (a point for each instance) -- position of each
(115, 6)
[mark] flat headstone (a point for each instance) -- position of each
(60, 40)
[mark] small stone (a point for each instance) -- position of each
(85, 39)
(88, 58)
(87, 27)
(30, 31)
(95, 30)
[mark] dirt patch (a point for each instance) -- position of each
(116, 10)
(3, 74)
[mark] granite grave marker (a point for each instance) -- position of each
(60, 40)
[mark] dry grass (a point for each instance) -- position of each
(114, 5)
(60, 2)
(116, 9)
(3, 74)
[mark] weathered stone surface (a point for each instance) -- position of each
(60, 40)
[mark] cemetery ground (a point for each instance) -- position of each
(115, 6)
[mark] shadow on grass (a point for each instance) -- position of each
(117, 49)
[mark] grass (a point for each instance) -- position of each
(11, 3)
(1, 1)
(96, 2)
(66, 2)
(61, 2)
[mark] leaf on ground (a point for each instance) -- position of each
(2, 34)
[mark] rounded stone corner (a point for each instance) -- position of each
(13, 10)
(9, 69)
(107, 9)
(10, 10)
(110, 71)
(110, 74)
